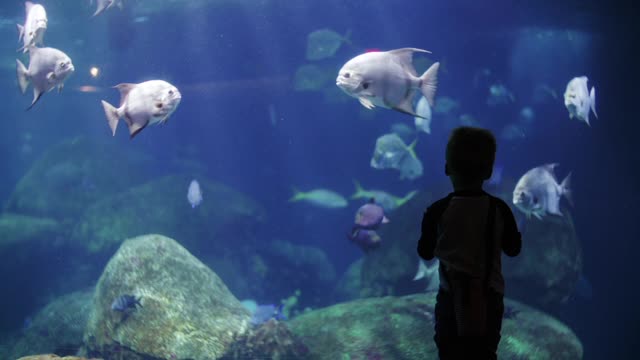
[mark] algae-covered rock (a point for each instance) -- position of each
(20, 230)
(550, 264)
(187, 312)
(389, 270)
(72, 175)
(52, 357)
(224, 217)
(57, 328)
(402, 328)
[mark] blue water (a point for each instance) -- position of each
(233, 63)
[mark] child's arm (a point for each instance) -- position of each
(511, 237)
(429, 236)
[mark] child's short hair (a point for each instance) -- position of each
(471, 152)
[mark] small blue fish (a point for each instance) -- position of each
(125, 302)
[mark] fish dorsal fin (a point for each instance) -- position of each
(28, 5)
(550, 167)
(124, 88)
(406, 55)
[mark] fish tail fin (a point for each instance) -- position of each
(592, 96)
(297, 195)
(359, 190)
(20, 31)
(565, 188)
(406, 198)
(412, 148)
(112, 116)
(23, 76)
(429, 83)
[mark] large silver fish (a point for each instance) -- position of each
(578, 100)
(388, 79)
(35, 25)
(150, 102)
(538, 193)
(48, 69)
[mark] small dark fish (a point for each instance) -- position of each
(366, 239)
(125, 302)
(370, 216)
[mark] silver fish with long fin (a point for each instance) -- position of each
(149, 102)
(538, 192)
(48, 69)
(578, 100)
(35, 25)
(388, 79)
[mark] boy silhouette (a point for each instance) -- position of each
(467, 231)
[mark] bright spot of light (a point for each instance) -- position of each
(94, 71)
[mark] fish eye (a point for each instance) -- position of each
(365, 85)
(63, 65)
(347, 75)
(159, 105)
(170, 92)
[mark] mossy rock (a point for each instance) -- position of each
(224, 218)
(74, 174)
(186, 311)
(403, 328)
(57, 328)
(18, 231)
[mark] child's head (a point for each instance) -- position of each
(470, 155)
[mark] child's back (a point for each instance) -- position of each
(467, 231)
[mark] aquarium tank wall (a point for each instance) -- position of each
(247, 179)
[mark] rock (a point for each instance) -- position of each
(349, 285)
(20, 231)
(187, 311)
(52, 357)
(73, 174)
(270, 340)
(402, 328)
(389, 270)
(550, 264)
(57, 328)
(545, 273)
(38, 262)
(271, 271)
(161, 206)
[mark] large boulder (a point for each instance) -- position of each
(273, 270)
(57, 328)
(389, 270)
(402, 328)
(72, 175)
(550, 265)
(224, 219)
(186, 311)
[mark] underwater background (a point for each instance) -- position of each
(259, 120)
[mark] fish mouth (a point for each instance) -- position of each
(347, 86)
